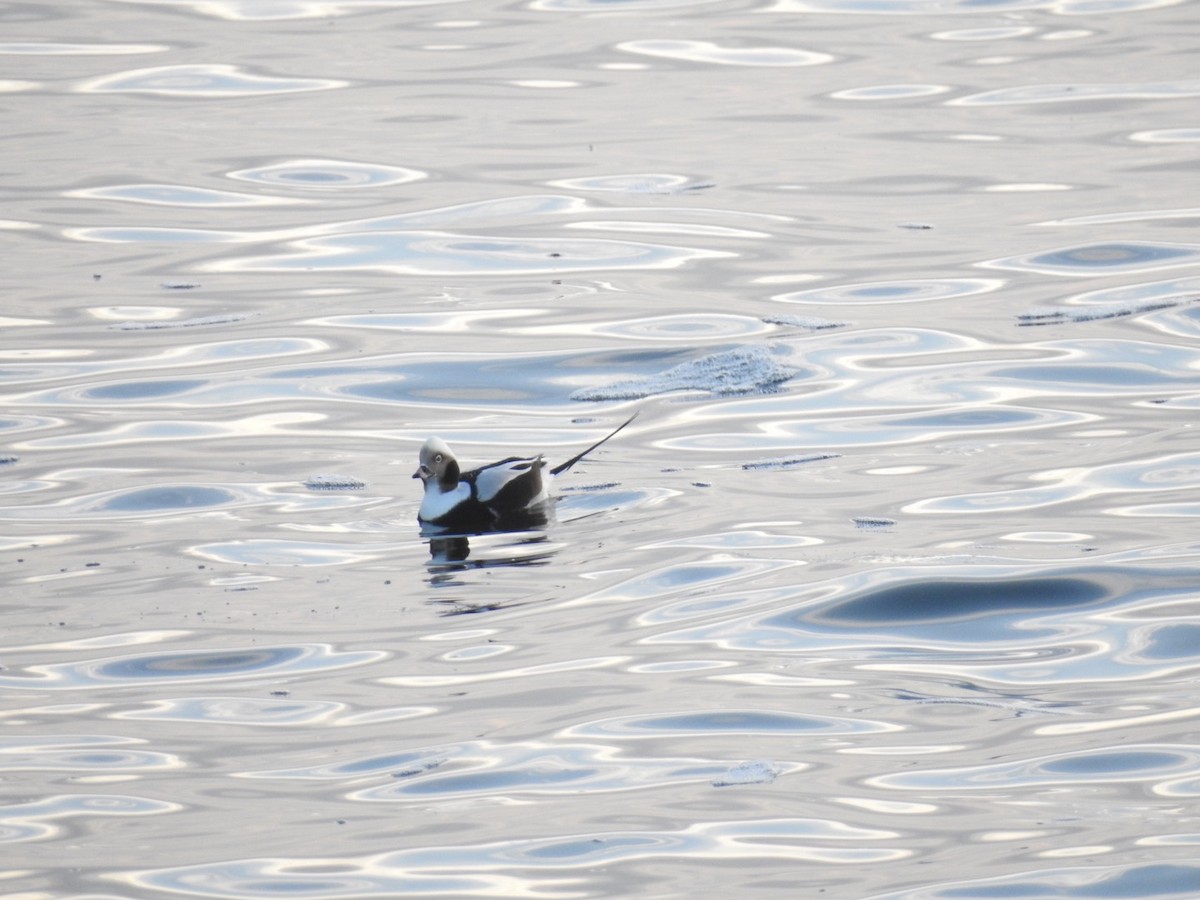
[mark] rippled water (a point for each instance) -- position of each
(891, 591)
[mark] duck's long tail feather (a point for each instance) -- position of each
(562, 467)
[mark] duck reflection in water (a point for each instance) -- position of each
(511, 495)
(455, 547)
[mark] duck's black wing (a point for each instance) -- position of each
(508, 485)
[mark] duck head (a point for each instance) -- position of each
(438, 465)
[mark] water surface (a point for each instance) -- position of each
(889, 592)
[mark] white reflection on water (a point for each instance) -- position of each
(202, 81)
(1174, 473)
(708, 52)
(962, 7)
(280, 10)
(439, 253)
(48, 817)
(176, 195)
(1073, 93)
(57, 48)
(277, 713)
(550, 866)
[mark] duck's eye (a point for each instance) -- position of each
(437, 458)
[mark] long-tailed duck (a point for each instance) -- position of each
(509, 495)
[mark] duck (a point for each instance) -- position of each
(511, 494)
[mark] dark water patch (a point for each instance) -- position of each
(216, 663)
(186, 666)
(327, 175)
(1176, 641)
(1153, 880)
(1153, 763)
(973, 612)
(956, 600)
(717, 722)
(971, 419)
(1118, 763)
(917, 290)
(183, 496)
(1020, 626)
(81, 753)
(470, 380)
(141, 390)
(1102, 259)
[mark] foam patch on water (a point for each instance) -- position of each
(1055, 315)
(742, 370)
(334, 483)
(788, 462)
(181, 323)
(812, 323)
(757, 771)
(873, 523)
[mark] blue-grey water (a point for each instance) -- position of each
(892, 590)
